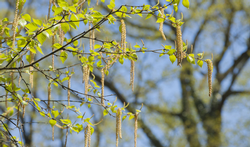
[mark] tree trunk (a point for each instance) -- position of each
(212, 125)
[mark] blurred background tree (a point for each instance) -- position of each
(177, 109)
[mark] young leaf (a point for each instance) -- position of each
(200, 63)
(52, 122)
(63, 56)
(185, 3)
(172, 58)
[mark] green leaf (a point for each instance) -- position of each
(190, 58)
(52, 122)
(92, 130)
(103, 1)
(37, 21)
(159, 20)
(99, 63)
(65, 27)
(105, 112)
(121, 60)
(175, 8)
(200, 63)
(167, 47)
(111, 4)
(148, 16)
(55, 113)
(185, 3)
(137, 46)
(22, 22)
(39, 49)
(57, 10)
(76, 19)
(106, 72)
(31, 26)
(97, 46)
(57, 45)
(124, 117)
(131, 117)
(65, 121)
(26, 17)
(21, 43)
(42, 37)
(172, 58)
(63, 56)
(171, 52)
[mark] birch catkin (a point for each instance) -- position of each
(132, 74)
(53, 132)
(161, 24)
(86, 79)
(210, 71)
(135, 131)
(49, 95)
(118, 125)
(31, 69)
(179, 44)
(87, 134)
(102, 81)
(69, 90)
(123, 36)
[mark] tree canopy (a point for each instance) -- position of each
(88, 69)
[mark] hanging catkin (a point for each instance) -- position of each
(118, 125)
(87, 135)
(132, 74)
(161, 24)
(123, 36)
(6, 99)
(24, 107)
(90, 38)
(135, 130)
(86, 79)
(102, 81)
(15, 24)
(49, 95)
(53, 56)
(69, 90)
(210, 71)
(31, 69)
(179, 44)
(18, 114)
(53, 132)
(61, 36)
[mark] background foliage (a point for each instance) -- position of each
(177, 110)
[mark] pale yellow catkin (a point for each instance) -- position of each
(117, 129)
(120, 122)
(15, 24)
(135, 130)
(53, 132)
(132, 74)
(102, 81)
(86, 137)
(24, 107)
(179, 44)
(86, 79)
(210, 71)
(31, 69)
(49, 95)
(89, 135)
(6, 99)
(161, 25)
(90, 38)
(123, 36)
(69, 90)
(53, 56)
